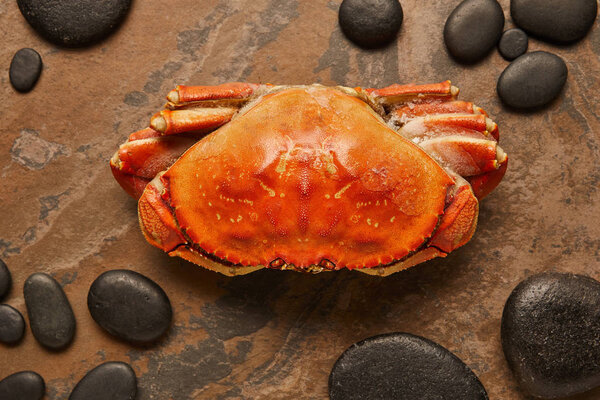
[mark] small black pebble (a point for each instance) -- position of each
(559, 21)
(74, 23)
(371, 23)
(402, 366)
(50, 314)
(532, 80)
(109, 381)
(25, 69)
(130, 306)
(550, 334)
(513, 43)
(25, 385)
(5, 280)
(473, 29)
(12, 325)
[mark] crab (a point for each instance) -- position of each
(240, 176)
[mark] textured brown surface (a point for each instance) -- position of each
(275, 334)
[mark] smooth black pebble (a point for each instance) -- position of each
(25, 70)
(532, 80)
(74, 23)
(371, 23)
(112, 380)
(25, 385)
(50, 315)
(12, 325)
(513, 43)
(5, 280)
(402, 366)
(473, 29)
(130, 306)
(551, 334)
(559, 21)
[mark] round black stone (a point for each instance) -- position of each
(50, 314)
(532, 80)
(25, 385)
(513, 43)
(12, 325)
(559, 21)
(473, 29)
(402, 366)
(5, 280)
(371, 23)
(25, 69)
(130, 306)
(551, 334)
(74, 23)
(109, 381)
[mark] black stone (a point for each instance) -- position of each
(371, 23)
(25, 69)
(12, 325)
(109, 381)
(473, 29)
(50, 314)
(25, 385)
(559, 21)
(5, 280)
(402, 366)
(130, 306)
(551, 334)
(74, 23)
(532, 80)
(513, 43)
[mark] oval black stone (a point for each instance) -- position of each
(532, 80)
(25, 385)
(12, 325)
(109, 381)
(129, 305)
(5, 280)
(50, 314)
(371, 23)
(402, 366)
(559, 21)
(74, 23)
(25, 69)
(513, 43)
(551, 334)
(473, 29)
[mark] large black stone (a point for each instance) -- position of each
(532, 80)
(560, 21)
(473, 29)
(50, 315)
(25, 385)
(5, 280)
(109, 381)
(371, 23)
(130, 306)
(551, 334)
(402, 366)
(513, 43)
(12, 325)
(74, 23)
(25, 69)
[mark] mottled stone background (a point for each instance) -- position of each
(275, 334)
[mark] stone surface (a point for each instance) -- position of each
(473, 29)
(371, 23)
(513, 43)
(129, 305)
(557, 21)
(25, 69)
(532, 80)
(74, 23)
(12, 325)
(402, 366)
(551, 334)
(5, 280)
(109, 381)
(50, 315)
(24, 385)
